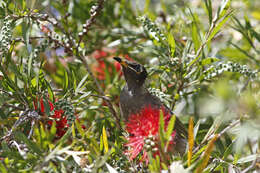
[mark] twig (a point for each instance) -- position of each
(233, 124)
(228, 127)
(6, 92)
(212, 26)
(100, 91)
(250, 167)
(102, 97)
(95, 11)
(30, 38)
(23, 117)
(12, 106)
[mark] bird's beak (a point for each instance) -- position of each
(121, 61)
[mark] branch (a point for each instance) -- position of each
(207, 39)
(23, 117)
(94, 12)
(233, 124)
(250, 167)
(100, 90)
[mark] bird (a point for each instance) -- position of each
(135, 96)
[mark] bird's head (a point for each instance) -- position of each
(135, 74)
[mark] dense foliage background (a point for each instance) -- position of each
(59, 85)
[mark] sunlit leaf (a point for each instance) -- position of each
(104, 137)
(190, 140)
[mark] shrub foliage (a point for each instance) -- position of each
(59, 86)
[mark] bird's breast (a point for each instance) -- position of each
(131, 102)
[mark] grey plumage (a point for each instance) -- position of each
(134, 97)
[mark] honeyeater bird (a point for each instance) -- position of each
(135, 96)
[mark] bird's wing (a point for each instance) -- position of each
(179, 127)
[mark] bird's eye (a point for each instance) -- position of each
(137, 67)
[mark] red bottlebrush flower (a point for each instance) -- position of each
(101, 67)
(100, 70)
(42, 106)
(142, 126)
(99, 54)
(58, 117)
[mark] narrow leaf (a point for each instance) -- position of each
(101, 145)
(161, 129)
(104, 135)
(170, 127)
(2, 168)
(79, 128)
(209, 9)
(64, 137)
(190, 140)
(111, 169)
(53, 130)
(169, 131)
(208, 61)
(225, 4)
(206, 155)
(50, 92)
(66, 82)
(30, 65)
(171, 42)
(218, 27)
(31, 145)
(81, 83)
(195, 37)
(249, 158)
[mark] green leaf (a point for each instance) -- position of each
(74, 80)
(209, 9)
(225, 4)
(170, 127)
(79, 128)
(64, 137)
(218, 27)
(161, 129)
(85, 95)
(249, 158)
(195, 37)
(208, 61)
(31, 145)
(50, 92)
(196, 129)
(53, 131)
(104, 137)
(47, 108)
(169, 131)
(228, 151)
(2, 168)
(30, 65)
(34, 82)
(101, 145)
(66, 82)
(26, 31)
(171, 42)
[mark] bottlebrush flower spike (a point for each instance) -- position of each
(100, 68)
(58, 117)
(142, 127)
